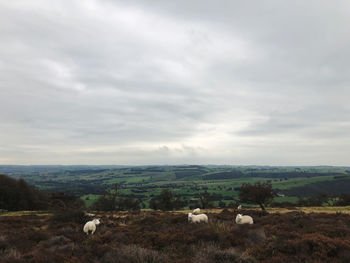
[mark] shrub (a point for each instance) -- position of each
(124, 204)
(212, 253)
(3, 243)
(133, 253)
(317, 200)
(76, 216)
(38, 236)
(343, 200)
(166, 201)
(104, 203)
(11, 255)
(62, 201)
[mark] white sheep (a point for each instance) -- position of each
(196, 211)
(240, 219)
(91, 226)
(239, 207)
(197, 218)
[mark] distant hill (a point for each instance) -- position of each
(18, 195)
(335, 187)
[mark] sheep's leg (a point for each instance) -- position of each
(92, 232)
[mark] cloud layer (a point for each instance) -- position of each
(169, 82)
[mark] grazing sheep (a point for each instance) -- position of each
(244, 219)
(91, 226)
(196, 211)
(197, 218)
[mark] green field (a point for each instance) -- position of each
(89, 199)
(187, 181)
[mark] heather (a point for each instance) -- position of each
(154, 236)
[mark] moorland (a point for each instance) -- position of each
(154, 236)
(63, 194)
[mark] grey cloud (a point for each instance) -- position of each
(174, 82)
(326, 122)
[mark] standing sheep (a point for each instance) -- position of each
(196, 211)
(197, 218)
(91, 226)
(244, 219)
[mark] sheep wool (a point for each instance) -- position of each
(196, 211)
(91, 226)
(240, 219)
(197, 218)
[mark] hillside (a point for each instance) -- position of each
(17, 194)
(168, 237)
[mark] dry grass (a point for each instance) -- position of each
(124, 214)
(26, 213)
(316, 209)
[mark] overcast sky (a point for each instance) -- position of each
(175, 82)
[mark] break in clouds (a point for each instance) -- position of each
(172, 82)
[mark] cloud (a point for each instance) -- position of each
(115, 82)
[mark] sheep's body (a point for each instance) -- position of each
(196, 211)
(91, 226)
(240, 219)
(197, 218)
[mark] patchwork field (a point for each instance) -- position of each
(222, 182)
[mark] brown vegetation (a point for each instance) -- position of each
(154, 236)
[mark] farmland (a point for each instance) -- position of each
(186, 181)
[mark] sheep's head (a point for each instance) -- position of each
(96, 221)
(189, 217)
(238, 217)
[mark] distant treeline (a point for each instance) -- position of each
(224, 175)
(77, 187)
(281, 174)
(188, 172)
(86, 172)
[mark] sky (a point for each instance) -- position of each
(175, 82)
